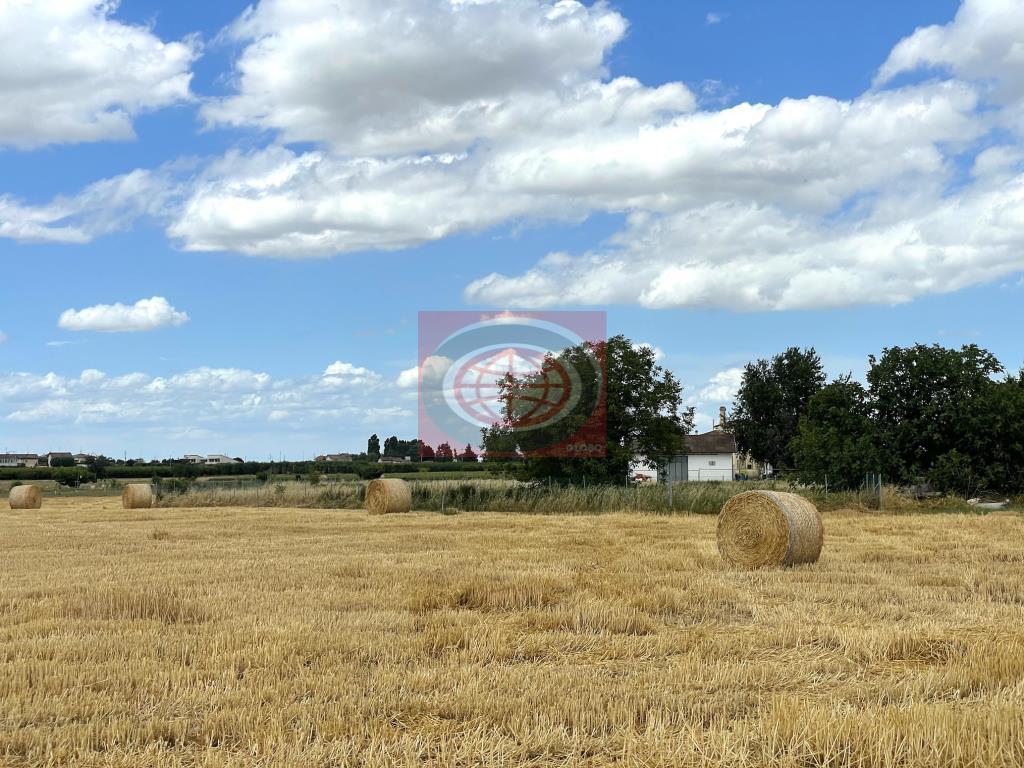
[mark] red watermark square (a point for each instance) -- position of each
(535, 381)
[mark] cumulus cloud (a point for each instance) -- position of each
(205, 398)
(339, 373)
(721, 388)
(983, 43)
(713, 18)
(143, 315)
(812, 202)
(71, 73)
(453, 72)
(408, 378)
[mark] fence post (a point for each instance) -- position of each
(670, 494)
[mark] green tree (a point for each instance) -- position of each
(642, 404)
(499, 441)
(836, 438)
(989, 455)
(930, 401)
(468, 454)
(373, 448)
(71, 476)
(391, 447)
(444, 452)
(772, 397)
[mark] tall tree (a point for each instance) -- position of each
(391, 447)
(772, 397)
(928, 400)
(468, 454)
(373, 448)
(444, 452)
(642, 405)
(836, 440)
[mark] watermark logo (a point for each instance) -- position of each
(533, 381)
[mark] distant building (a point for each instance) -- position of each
(194, 458)
(57, 458)
(709, 457)
(19, 460)
(336, 457)
(220, 458)
(393, 459)
(83, 458)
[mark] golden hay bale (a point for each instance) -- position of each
(137, 496)
(388, 496)
(768, 528)
(25, 497)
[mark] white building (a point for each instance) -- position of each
(708, 457)
(220, 458)
(194, 458)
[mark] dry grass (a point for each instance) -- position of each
(288, 637)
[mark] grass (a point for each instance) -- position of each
(307, 637)
(535, 498)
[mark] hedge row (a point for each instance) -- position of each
(141, 471)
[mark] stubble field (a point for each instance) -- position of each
(300, 637)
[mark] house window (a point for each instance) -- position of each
(711, 463)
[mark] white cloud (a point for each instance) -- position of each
(408, 378)
(721, 388)
(218, 399)
(343, 374)
(749, 257)
(106, 206)
(143, 315)
(813, 202)
(983, 43)
(713, 18)
(3, 337)
(453, 72)
(71, 73)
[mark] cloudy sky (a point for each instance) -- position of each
(218, 222)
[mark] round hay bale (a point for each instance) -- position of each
(388, 497)
(759, 529)
(137, 496)
(25, 497)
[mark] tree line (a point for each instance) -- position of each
(950, 417)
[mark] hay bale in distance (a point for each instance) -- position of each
(388, 497)
(759, 529)
(25, 497)
(137, 496)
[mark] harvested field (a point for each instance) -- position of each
(302, 637)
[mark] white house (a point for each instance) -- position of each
(220, 458)
(194, 458)
(708, 457)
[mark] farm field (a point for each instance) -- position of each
(233, 636)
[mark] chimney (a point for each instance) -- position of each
(721, 418)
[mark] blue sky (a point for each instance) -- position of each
(725, 179)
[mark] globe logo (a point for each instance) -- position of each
(533, 380)
(543, 389)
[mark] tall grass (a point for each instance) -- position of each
(482, 495)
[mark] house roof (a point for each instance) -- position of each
(711, 442)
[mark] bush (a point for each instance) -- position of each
(369, 471)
